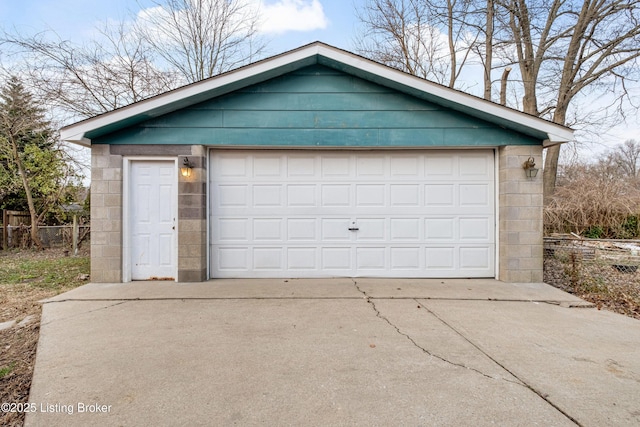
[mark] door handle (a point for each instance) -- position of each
(353, 229)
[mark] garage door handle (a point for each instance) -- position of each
(353, 229)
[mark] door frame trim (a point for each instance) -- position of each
(126, 218)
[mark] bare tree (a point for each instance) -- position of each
(626, 158)
(202, 38)
(85, 80)
(565, 48)
(432, 39)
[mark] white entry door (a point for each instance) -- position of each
(152, 202)
(352, 214)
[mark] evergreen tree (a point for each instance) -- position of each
(30, 159)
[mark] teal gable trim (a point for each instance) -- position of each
(317, 106)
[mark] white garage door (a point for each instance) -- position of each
(350, 214)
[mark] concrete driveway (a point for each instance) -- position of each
(333, 352)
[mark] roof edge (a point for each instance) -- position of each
(318, 52)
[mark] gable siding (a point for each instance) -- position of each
(318, 107)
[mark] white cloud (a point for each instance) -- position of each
(276, 17)
(292, 15)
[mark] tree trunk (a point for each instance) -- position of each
(503, 86)
(35, 235)
(550, 171)
(553, 153)
(452, 45)
(488, 56)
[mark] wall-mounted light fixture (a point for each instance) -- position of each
(185, 169)
(530, 169)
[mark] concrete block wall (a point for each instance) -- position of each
(520, 212)
(192, 219)
(107, 215)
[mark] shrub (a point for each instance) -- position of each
(594, 201)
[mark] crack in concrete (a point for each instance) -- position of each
(120, 302)
(424, 350)
(521, 382)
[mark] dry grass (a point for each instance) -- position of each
(600, 284)
(27, 277)
(588, 203)
(17, 357)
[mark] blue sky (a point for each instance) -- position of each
(77, 19)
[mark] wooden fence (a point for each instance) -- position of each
(16, 227)
(10, 220)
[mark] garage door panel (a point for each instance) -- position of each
(302, 229)
(405, 167)
(336, 195)
(370, 167)
(301, 258)
(405, 229)
(336, 229)
(371, 258)
(404, 195)
(268, 167)
(231, 165)
(226, 195)
(438, 229)
(370, 229)
(440, 258)
(269, 229)
(405, 258)
(475, 195)
(440, 167)
(232, 258)
(412, 214)
(336, 166)
(336, 259)
(475, 229)
(301, 196)
(440, 195)
(370, 195)
(268, 258)
(475, 166)
(231, 229)
(301, 167)
(474, 258)
(267, 195)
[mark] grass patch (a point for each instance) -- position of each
(7, 369)
(54, 274)
(27, 277)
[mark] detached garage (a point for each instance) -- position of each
(315, 163)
